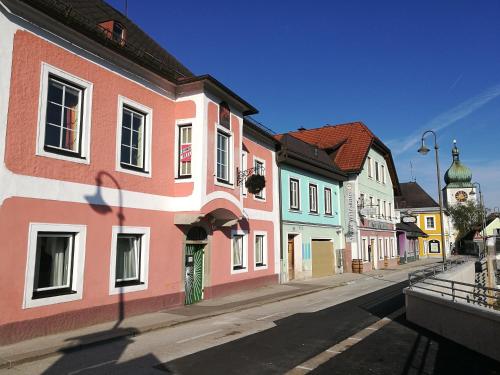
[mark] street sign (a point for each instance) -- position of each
(409, 219)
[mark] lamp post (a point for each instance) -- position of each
(424, 150)
(483, 210)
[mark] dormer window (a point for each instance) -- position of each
(114, 30)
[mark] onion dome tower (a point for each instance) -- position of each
(458, 180)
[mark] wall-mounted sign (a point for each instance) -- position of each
(408, 219)
(350, 205)
(434, 246)
(185, 153)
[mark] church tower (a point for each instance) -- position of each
(458, 181)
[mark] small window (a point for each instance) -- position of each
(185, 141)
(118, 32)
(429, 222)
(384, 207)
(377, 172)
(328, 201)
(371, 206)
(294, 194)
(223, 157)
(63, 118)
(238, 252)
(370, 167)
(380, 249)
(313, 198)
(133, 152)
(361, 200)
(379, 209)
(365, 250)
(260, 255)
(382, 172)
(260, 170)
(54, 264)
(390, 210)
(128, 256)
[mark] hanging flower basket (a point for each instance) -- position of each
(255, 183)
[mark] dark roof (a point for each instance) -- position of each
(303, 155)
(413, 196)
(348, 146)
(412, 230)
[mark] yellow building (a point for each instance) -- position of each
(418, 203)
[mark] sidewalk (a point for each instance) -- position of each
(34, 349)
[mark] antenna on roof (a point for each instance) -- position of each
(412, 178)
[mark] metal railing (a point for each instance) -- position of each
(456, 291)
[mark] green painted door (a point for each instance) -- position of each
(194, 273)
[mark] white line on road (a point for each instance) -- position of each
(199, 336)
(268, 316)
(92, 367)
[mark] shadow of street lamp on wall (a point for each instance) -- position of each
(99, 205)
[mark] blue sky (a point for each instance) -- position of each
(401, 67)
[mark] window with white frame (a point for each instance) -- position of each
(134, 137)
(429, 222)
(55, 264)
(384, 206)
(364, 249)
(382, 173)
(129, 259)
(371, 207)
(380, 249)
(64, 122)
(260, 249)
(294, 194)
(390, 210)
(386, 249)
(223, 159)
(260, 170)
(328, 201)
(393, 248)
(313, 198)
(379, 212)
(370, 167)
(184, 151)
(238, 252)
(362, 200)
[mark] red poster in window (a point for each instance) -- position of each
(185, 153)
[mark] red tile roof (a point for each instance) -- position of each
(353, 139)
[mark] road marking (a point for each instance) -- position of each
(199, 336)
(340, 347)
(268, 316)
(92, 367)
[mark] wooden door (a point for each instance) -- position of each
(291, 260)
(323, 261)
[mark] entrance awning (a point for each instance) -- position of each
(220, 212)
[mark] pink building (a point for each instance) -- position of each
(123, 174)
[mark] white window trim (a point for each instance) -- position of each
(144, 262)
(325, 188)
(178, 124)
(425, 222)
(370, 167)
(316, 212)
(393, 248)
(78, 263)
(377, 171)
(382, 172)
(380, 240)
(363, 250)
(85, 125)
(387, 248)
(230, 172)
(264, 251)
(148, 131)
(299, 205)
(243, 233)
(374, 256)
(263, 197)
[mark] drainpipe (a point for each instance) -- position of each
(280, 220)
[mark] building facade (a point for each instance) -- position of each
(311, 215)
(368, 193)
(123, 176)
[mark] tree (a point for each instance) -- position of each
(466, 216)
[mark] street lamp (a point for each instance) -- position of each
(424, 150)
(483, 209)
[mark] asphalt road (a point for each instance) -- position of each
(398, 348)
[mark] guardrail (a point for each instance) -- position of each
(457, 291)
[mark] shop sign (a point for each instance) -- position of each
(350, 205)
(185, 153)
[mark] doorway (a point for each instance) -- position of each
(291, 258)
(194, 262)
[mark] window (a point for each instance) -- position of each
(386, 249)
(380, 249)
(382, 172)
(55, 264)
(64, 125)
(370, 167)
(313, 198)
(371, 206)
(362, 200)
(377, 173)
(239, 253)
(134, 137)
(222, 157)
(390, 210)
(260, 170)
(260, 249)
(429, 222)
(379, 212)
(393, 249)
(129, 259)
(384, 207)
(184, 157)
(365, 250)
(328, 201)
(118, 32)
(294, 194)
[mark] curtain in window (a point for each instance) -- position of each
(52, 262)
(126, 262)
(237, 251)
